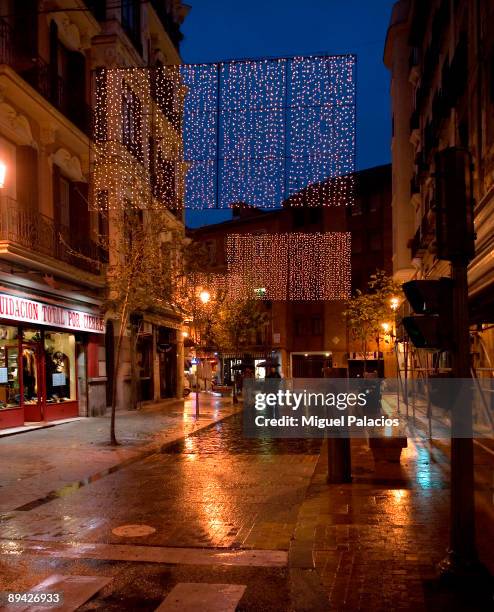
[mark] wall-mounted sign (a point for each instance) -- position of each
(29, 311)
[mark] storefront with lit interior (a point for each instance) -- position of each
(48, 352)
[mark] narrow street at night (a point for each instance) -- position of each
(246, 305)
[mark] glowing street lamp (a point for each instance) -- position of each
(204, 296)
(395, 302)
(3, 173)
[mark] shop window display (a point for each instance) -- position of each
(30, 342)
(9, 368)
(60, 367)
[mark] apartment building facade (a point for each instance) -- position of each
(53, 355)
(441, 58)
(138, 130)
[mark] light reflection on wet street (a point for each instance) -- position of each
(213, 489)
(216, 493)
(226, 437)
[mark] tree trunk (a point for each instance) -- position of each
(113, 438)
(123, 325)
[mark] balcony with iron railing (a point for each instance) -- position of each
(54, 89)
(37, 72)
(28, 229)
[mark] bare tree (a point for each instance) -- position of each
(229, 321)
(140, 275)
(367, 311)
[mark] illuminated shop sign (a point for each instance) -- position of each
(28, 311)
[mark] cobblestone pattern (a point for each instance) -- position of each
(35, 463)
(211, 490)
(376, 542)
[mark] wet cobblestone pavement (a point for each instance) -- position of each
(213, 489)
(41, 463)
(226, 437)
(376, 542)
(215, 497)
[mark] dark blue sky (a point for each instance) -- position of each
(230, 29)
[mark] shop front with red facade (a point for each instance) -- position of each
(43, 359)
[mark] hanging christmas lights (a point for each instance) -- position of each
(137, 153)
(289, 266)
(256, 131)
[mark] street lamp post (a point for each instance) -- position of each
(205, 297)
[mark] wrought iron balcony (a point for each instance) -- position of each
(54, 89)
(40, 234)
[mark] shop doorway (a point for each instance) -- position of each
(144, 363)
(168, 372)
(81, 366)
(49, 382)
(167, 357)
(33, 388)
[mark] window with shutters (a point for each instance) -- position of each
(67, 76)
(23, 18)
(375, 241)
(131, 21)
(166, 181)
(357, 243)
(212, 252)
(27, 177)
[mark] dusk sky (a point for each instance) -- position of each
(224, 29)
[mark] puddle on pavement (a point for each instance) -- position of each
(74, 486)
(227, 437)
(222, 437)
